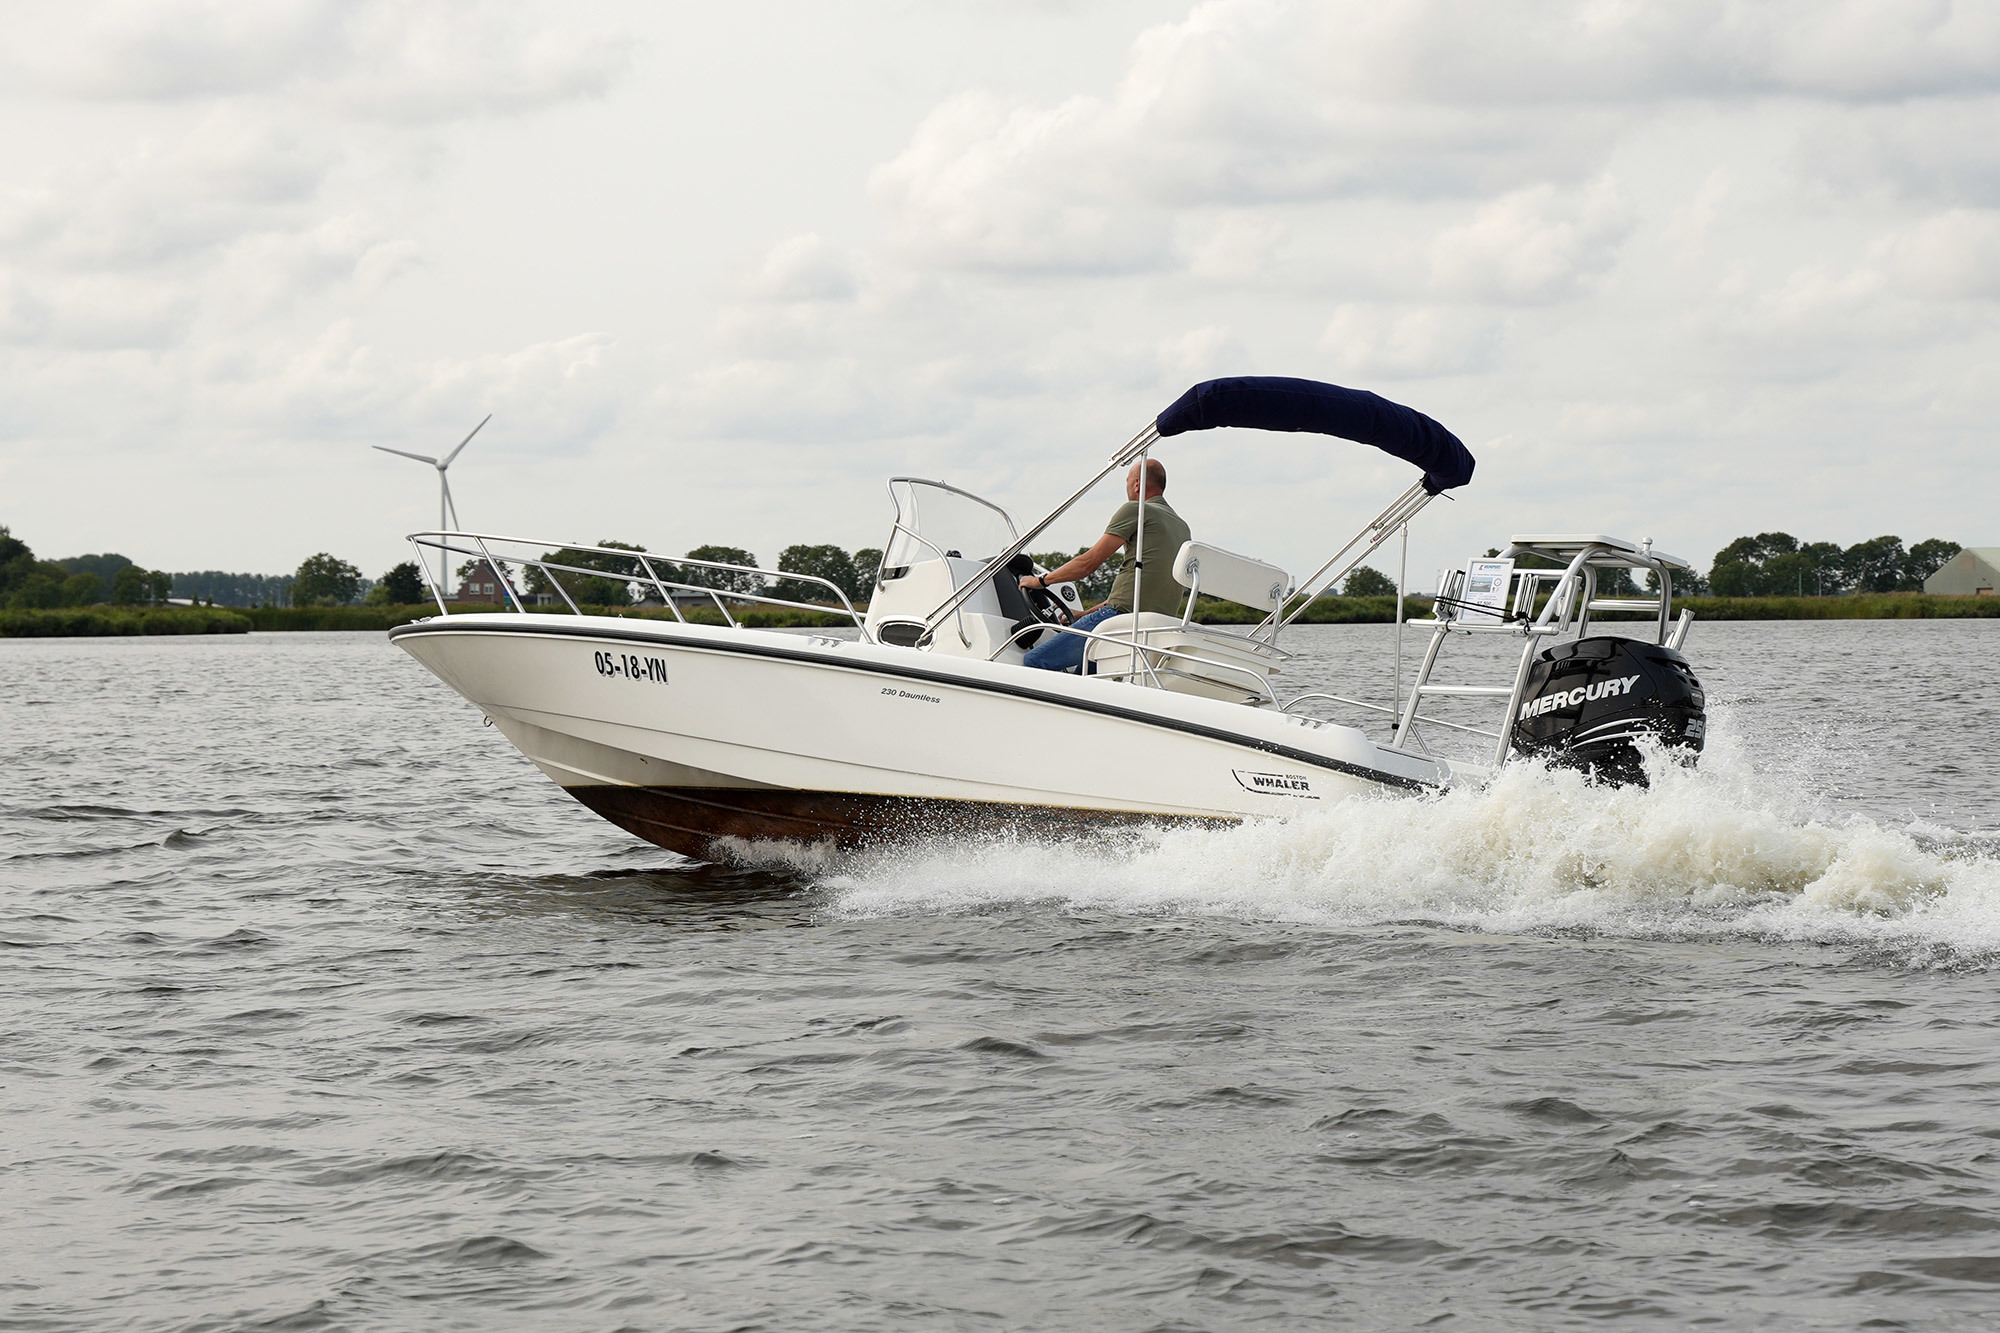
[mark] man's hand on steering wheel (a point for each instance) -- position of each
(1045, 604)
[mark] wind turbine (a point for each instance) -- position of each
(445, 506)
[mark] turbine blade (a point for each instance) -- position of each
(421, 458)
(467, 440)
(450, 505)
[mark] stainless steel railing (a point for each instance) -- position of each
(501, 553)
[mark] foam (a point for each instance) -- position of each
(1716, 850)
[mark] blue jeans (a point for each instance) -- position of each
(1064, 652)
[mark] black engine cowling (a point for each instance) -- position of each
(1586, 703)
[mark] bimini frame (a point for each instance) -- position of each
(1275, 404)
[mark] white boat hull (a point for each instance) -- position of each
(690, 734)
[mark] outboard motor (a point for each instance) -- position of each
(1586, 703)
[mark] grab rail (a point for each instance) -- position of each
(479, 545)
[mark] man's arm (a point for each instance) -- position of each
(1081, 566)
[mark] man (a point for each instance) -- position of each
(1164, 534)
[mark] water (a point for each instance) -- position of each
(323, 1010)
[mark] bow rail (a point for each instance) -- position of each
(664, 575)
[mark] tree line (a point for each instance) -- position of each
(1777, 564)
(27, 583)
(1769, 564)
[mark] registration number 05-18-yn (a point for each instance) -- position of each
(630, 666)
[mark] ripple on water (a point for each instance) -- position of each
(324, 1011)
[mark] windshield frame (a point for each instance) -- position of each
(909, 515)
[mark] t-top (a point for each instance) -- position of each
(1165, 533)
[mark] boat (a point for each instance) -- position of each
(918, 716)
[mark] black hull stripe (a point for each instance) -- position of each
(938, 678)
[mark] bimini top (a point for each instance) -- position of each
(1272, 402)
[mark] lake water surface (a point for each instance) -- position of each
(323, 1009)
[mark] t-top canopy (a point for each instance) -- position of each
(1272, 402)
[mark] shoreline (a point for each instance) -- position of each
(113, 621)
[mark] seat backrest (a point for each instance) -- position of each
(1232, 577)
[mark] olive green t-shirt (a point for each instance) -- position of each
(1165, 533)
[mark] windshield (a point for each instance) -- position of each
(934, 520)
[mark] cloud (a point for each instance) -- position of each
(1939, 151)
(1202, 353)
(804, 268)
(981, 187)
(1614, 51)
(1400, 342)
(399, 60)
(225, 221)
(1951, 256)
(1250, 104)
(168, 200)
(1539, 244)
(89, 312)
(1239, 245)
(1585, 234)
(552, 397)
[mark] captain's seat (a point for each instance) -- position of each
(1179, 655)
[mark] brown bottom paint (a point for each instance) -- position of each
(688, 820)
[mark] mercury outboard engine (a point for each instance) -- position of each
(1586, 703)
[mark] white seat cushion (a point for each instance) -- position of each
(1232, 577)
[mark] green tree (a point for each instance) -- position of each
(141, 587)
(216, 587)
(723, 579)
(1616, 583)
(1740, 568)
(1367, 582)
(1093, 588)
(82, 590)
(17, 562)
(28, 582)
(1687, 583)
(42, 589)
(827, 562)
(867, 568)
(403, 585)
(131, 587)
(105, 566)
(1877, 565)
(325, 580)
(613, 587)
(1927, 558)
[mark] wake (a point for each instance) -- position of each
(1719, 850)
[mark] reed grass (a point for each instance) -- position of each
(105, 621)
(270, 619)
(1853, 606)
(95, 621)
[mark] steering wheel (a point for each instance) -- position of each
(1048, 607)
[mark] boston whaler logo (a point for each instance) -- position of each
(1548, 703)
(1276, 784)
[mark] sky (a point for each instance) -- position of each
(1680, 270)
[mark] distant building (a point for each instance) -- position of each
(482, 584)
(1973, 571)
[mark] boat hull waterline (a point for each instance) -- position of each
(694, 735)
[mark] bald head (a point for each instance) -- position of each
(1156, 480)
